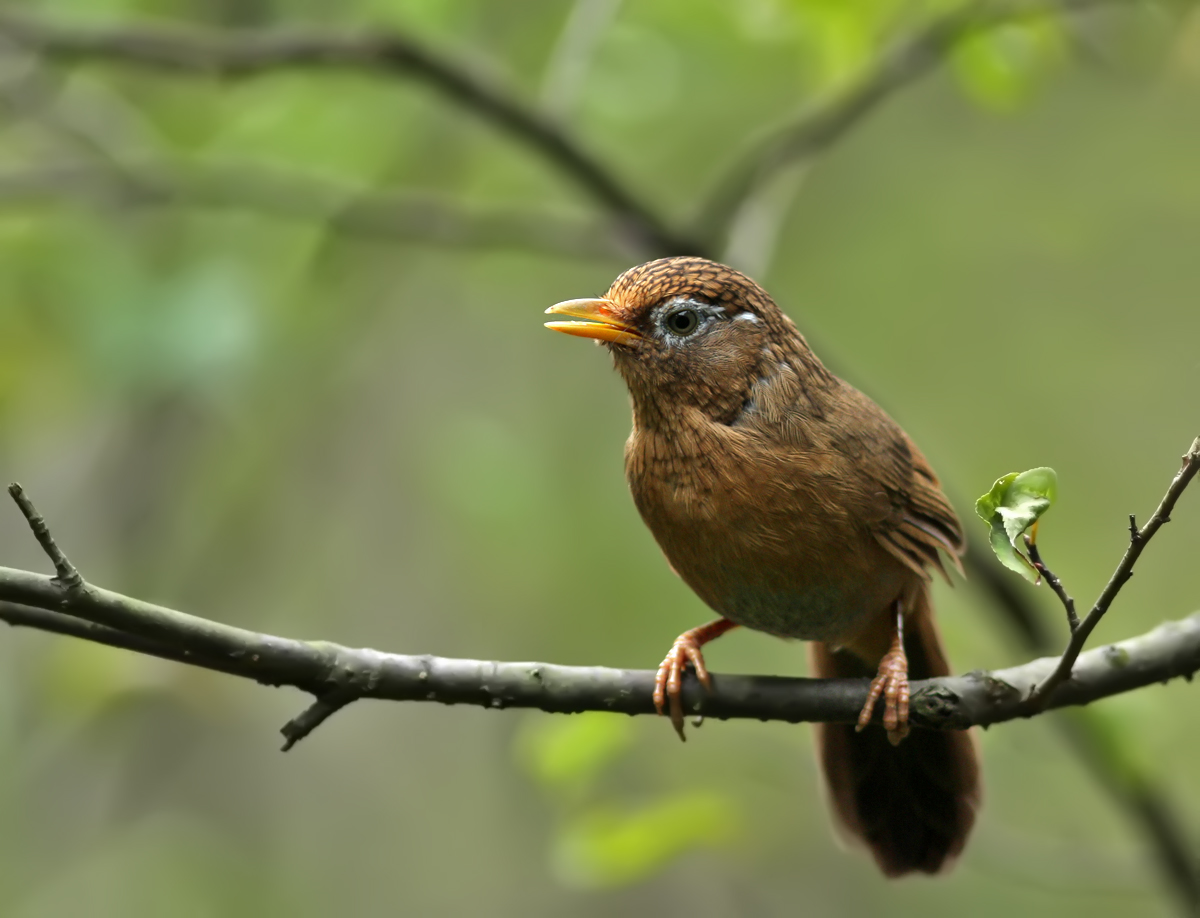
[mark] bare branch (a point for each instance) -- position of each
(66, 574)
(818, 128)
(1145, 800)
(1138, 539)
(23, 616)
(1035, 558)
(290, 196)
(247, 53)
(337, 675)
(638, 224)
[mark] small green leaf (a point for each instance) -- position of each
(1015, 503)
(1000, 67)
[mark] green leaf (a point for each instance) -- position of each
(842, 37)
(1000, 67)
(1015, 503)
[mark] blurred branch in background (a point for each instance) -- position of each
(567, 69)
(289, 196)
(248, 54)
(27, 95)
(907, 60)
(245, 54)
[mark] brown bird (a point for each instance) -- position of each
(792, 504)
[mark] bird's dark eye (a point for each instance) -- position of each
(682, 321)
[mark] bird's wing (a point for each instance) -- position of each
(910, 516)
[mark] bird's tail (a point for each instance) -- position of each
(913, 805)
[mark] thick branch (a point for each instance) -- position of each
(244, 54)
(322, 668)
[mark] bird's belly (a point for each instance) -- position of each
(818, 613)
(808, 605)
(812, 586)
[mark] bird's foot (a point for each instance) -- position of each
(892, 684)
(668, 683)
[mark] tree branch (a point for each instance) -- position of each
(247, 53)
(338, 675)
(819, 127)
(289, 196)
(1138, 540)
(251, 53)
(1052, 581)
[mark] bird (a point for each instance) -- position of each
(792, 504)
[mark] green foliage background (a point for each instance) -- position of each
(375, 442)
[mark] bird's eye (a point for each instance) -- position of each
(682, 321)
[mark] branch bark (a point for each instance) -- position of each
(344, 674)
(337, 675)
(1138, 540)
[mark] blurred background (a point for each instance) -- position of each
(271, 352)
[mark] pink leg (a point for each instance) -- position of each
(892, 684)
(668, 684)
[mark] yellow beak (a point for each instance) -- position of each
(598, 321)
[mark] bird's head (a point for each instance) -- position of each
(683, 332)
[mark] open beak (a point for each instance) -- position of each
(597, 322)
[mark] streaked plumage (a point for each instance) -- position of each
(792, 504)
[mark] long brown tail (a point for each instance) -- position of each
(913, 804)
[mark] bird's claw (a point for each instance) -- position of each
(668, 683)
(892, 684)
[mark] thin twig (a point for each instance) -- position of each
(249, 53)
(66, 574)
(1138, 540)
(1145, 800)
(1035, 558)
(317, 713)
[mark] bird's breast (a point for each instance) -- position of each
(766, 537)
